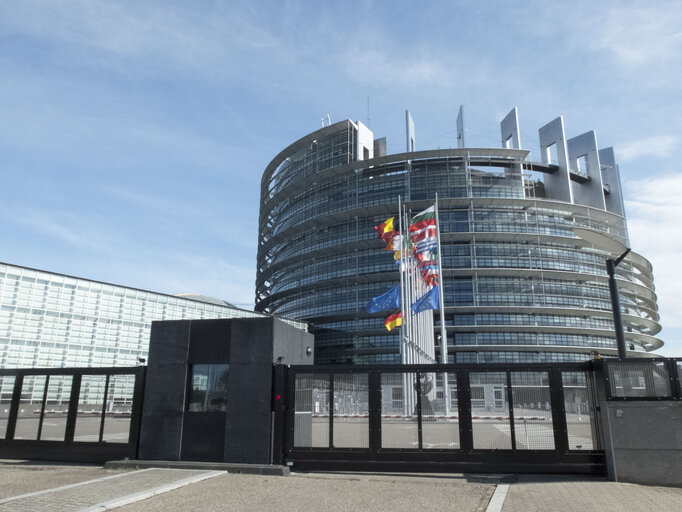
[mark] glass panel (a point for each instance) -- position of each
(579, 412)
(490, 411)
(209, 388)
(532, 411)
(647, 379)
(351, 410)
(119, 408)
(399, 427)
(90, 402)
(56, 408)
(28, 419)
(440, 430)
(6, 391)
(311, 410)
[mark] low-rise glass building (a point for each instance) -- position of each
(50, 320)
(53, 320)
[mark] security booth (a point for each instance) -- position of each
(209, 388)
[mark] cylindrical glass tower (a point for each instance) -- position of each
(519, 286)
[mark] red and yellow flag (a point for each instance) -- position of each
(385, 229)
(394, 320)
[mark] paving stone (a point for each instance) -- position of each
(79, 497)
(581, 496)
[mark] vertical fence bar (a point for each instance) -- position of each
(14, 407)
(42, 407)
(374, 406)
(510, 410)
(73, 408)
(279, 407)
(290, 412)
(556, 397)
(331, 409)
(466, 436)
(419, 408)
(104, 408)
(675, 384)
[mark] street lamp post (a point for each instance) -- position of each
(608, 244)
(615, 303)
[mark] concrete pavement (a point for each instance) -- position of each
(59, 487)
(530, 493)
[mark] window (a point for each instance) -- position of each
(208, 391)
(581, 163)
(551, 154)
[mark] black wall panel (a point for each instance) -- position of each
(247, 431)
(160, 434)
(240, 434)
(169, 341)
(165, 387)
(203, 436)
(252, 341)
(210, 342)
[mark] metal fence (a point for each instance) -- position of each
(643, 379)
(494, 417)
(78, 414)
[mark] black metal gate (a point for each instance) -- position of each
(70, 414)
(487, 418)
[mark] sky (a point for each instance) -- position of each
(133, 135)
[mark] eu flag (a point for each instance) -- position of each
(388, 300)
(430, 300)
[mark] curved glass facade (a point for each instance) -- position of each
(518, 284)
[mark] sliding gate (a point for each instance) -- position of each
(70, 414)
(491, 418)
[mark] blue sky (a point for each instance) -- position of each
(134, 134)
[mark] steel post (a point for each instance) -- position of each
(615, 306)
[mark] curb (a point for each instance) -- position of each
(227, 467)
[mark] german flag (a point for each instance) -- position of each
(395, 320)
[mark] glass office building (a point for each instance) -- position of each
(52, 320)
(519, 285)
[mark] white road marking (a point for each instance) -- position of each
(497, 501)
(143, 495)
(70, 486)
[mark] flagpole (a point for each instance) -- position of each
(402, 287)
(404, 349)
(414, 330)
(443, 330)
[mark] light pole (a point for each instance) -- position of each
(608, 244)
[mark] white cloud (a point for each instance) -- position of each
(661, 146)
(115, 35)
(408, 72)
(654, 220)
(640, 35)
(76, 231)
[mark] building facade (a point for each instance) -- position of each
(52, 320)
(519, 285)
